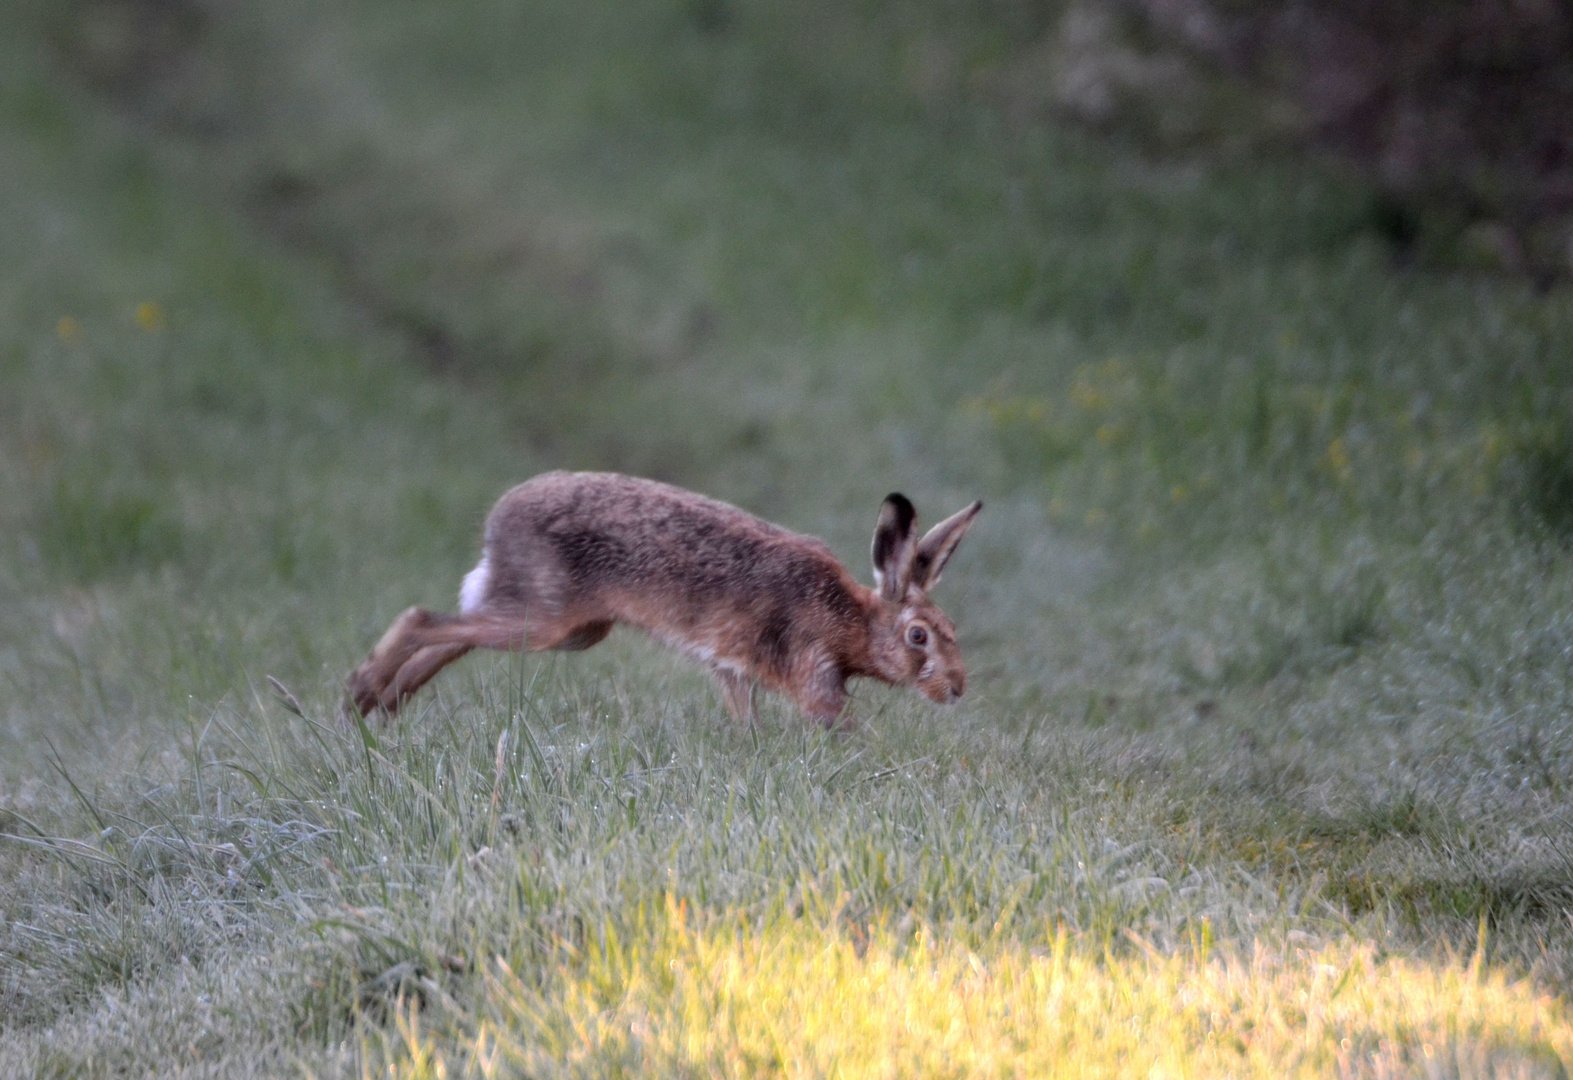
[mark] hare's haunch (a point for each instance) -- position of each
(568, 555)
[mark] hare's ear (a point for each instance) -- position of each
(894, 546)
(938, 545)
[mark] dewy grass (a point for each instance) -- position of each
(673, 994)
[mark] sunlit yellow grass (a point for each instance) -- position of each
(797, 1000)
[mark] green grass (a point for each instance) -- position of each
(1266, 615)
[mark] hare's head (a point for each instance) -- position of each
(913, 643)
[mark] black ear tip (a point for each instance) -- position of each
(905, 514)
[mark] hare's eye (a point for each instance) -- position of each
(916, 635)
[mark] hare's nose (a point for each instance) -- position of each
(958, 685)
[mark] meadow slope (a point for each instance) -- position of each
(1264, 767)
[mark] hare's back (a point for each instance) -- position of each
(606, 532)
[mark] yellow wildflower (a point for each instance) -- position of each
(1338, 458)
(1493, 444)
(150, 316)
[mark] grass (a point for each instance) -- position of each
(1266, 616)
(802, 1000)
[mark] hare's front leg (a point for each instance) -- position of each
(823, 695)
(737, 691)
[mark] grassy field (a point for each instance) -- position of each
(1265, 763)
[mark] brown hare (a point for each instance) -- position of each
(567, 555)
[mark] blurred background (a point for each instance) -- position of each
(1249, 321)
(1174, 284)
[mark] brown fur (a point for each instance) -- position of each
(568, 555)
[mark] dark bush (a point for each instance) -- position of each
(1459, 111)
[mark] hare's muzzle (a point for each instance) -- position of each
(946, 689)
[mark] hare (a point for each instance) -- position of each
(568, 555)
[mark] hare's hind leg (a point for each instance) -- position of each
(577, 639)
(428, 660)
(419, 669)
(393, 649)
(382, 682)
